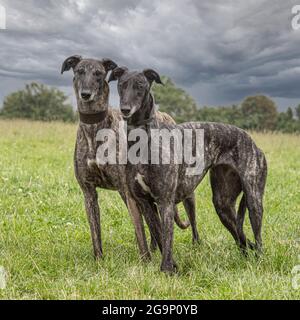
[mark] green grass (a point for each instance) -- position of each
(45, 244)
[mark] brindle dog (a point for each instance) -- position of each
(236, 165)
(92, 94)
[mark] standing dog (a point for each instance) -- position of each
(236, 164)
(92, 94)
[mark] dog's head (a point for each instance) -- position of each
(133, 88)
(89, 78)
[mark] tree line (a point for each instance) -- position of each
(258, 113)
(39, 102)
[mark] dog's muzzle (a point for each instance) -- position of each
(127, 112)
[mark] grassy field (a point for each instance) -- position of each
(45, 244)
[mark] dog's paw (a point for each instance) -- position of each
(196, 241)
(146, 257)
(251, 245)
(169, 268)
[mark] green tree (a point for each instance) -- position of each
(259, 113)
(175, 101)
(289, 113)
(287, 123)
(229, 115)
(297, 109)
(38, 102)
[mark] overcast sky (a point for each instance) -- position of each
(219, 51)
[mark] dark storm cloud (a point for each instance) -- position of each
(219, 51)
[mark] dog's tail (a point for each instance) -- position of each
(241, 214)
(181, 224)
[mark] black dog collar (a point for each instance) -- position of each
(92, 118)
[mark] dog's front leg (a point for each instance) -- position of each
(167, 211)
(93, 214)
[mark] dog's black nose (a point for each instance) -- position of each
(125, 112)
(85, 95)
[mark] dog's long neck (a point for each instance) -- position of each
(145, 114)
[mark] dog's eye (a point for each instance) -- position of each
(138, 86)
(98, 73)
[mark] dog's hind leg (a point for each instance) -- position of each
(226, 213)
(190, 208)
(226, 187)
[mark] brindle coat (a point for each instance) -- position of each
(92, 94)
(236, 165)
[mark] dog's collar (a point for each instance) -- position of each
(92, 118)
(140, 124)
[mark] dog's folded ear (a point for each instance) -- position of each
(70, 62)
(117, 73)
(152, 75)
(109, 65)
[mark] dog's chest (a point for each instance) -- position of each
(142, 185)
(90, 168)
